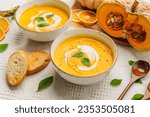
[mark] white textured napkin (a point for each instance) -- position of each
(61, 89)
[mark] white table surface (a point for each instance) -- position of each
(61, 89)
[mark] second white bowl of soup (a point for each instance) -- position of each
(43, 20)
(83, 56)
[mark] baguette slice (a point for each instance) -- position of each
(17, 67)
(38, 61)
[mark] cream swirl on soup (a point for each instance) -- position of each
(43, 18)
(89, 51)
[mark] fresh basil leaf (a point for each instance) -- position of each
(45, 83)
(137, 97)
(131, 62)
(40, 19)
(78, 55)
(50, 15)
(13, 17)
(86, 62)
(116, 82)
(3, 47)
(43, 25)
(139, 81)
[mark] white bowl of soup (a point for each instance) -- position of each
(83, 56)
(43, 20)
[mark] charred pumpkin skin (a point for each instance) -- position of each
(140, 25)
(103, 13)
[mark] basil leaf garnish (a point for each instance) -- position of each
(50, 15)
(43, 25)
(45, 83)
(131, 62)
(78, 55)
(116, 82)
(40, 19)
(3, 47)
(139, 81)
(86, 62)
(137, 97)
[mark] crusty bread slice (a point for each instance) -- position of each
(37, 62)
(17, 67)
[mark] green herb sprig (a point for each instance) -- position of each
(116, 82)
(78, 55)
(45, 83)
(131, 62)
(40, 19)
(50, 15)
(12, 17)
(43, 25)
(139, 81)
(137, 97)
(86, 62)
(3, 47)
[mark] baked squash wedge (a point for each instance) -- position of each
(112, 18)
(132, 22)
(138, 32)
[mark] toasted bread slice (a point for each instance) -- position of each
(37, 62)
(17, 67)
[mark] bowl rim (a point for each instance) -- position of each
(68, 21)
(86, 77)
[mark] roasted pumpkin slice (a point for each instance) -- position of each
(138, 33)
(112, 17)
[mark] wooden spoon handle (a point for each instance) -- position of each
(125, 91)
(145, 98)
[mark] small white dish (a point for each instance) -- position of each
(89, 79)
(44, 36)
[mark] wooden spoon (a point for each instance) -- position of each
(147, 93)
(139, 70)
